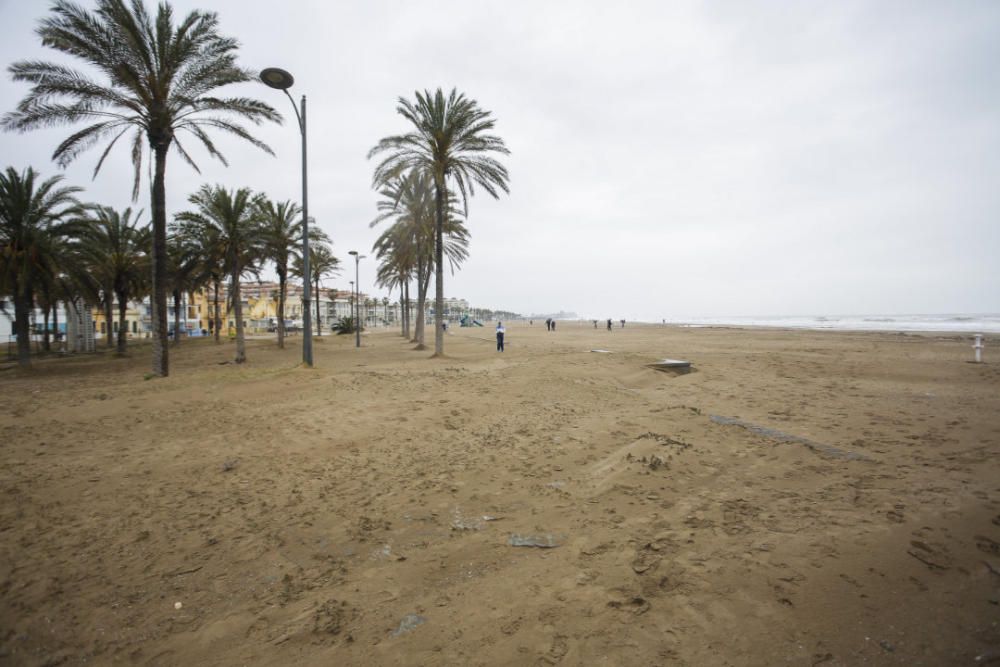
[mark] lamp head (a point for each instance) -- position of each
(275, 77)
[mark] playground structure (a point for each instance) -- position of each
(467, 321)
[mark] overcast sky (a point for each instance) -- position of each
(668, 160)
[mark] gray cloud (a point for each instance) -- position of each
(667, 160)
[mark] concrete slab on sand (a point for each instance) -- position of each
(672, 365)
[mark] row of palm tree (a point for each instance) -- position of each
(55, 248)
(159, 80)
(449, 148)
(233, 233)
(405, 250)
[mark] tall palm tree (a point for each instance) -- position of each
(450, 141)
(157, 79)
(232, 215)
(33, 218)
(282, 227)
(115, 246)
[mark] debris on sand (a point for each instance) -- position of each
(409, 622)
(545, 541)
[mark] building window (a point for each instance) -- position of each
(135, 327)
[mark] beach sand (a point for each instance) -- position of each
(845, 510)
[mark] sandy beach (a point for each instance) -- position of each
(800, 498)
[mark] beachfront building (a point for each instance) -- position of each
(138, 320)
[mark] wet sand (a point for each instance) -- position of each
(802, 498)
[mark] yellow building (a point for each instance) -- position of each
(135, 324)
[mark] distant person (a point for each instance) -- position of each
(595, 324)
(548, 324)
(500, 332)
(553, 325)
(623, 324)
(609, 324)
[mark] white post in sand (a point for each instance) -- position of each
(978, 347)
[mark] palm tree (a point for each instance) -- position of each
(282, 227)
(157, 80)
(408, 246)
(322, 263)
(185, 276)
(451, 144)
(115, 246)
(385, 309)
(203, 247)
(233, 217)
(398, 265)
(33, 217)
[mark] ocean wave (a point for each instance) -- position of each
(949, 323)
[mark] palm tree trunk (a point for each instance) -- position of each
(55, 319)
(319, 322)
(439, 270)
(409, 306)
(241, 348)
(108, 317)
(423, 282)
(22, 327)
(402, 310)
(218, 319)
(122, 326)
(158, 300)
(177, 316)
(281, 308)
(46, 345)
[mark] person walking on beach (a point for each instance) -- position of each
(609, 324)
(500, 332)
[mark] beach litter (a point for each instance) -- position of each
(409, 622)
(546, 541)
(675, 366)
(602, 351)
(828, 450)
(461, 522)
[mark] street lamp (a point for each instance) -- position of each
(357, 297)
(282, 80)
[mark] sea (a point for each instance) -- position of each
(955, 323)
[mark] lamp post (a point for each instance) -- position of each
(282, 80)
(357, 297)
